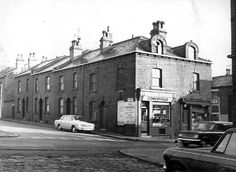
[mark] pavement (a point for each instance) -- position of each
(154, 156)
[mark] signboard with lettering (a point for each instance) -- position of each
(126, 113)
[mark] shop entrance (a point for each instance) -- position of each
(145, 118)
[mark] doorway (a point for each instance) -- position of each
(23, 108)
(145, 118)
(68, 106)
(40, 110)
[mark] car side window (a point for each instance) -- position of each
(221, 147)
(231, 147)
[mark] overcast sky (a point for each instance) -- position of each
(47, 27)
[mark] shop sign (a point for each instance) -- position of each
(126, 113)
(161, 99)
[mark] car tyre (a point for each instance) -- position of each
(185, 144)
(177, 168)
(59, 127)
(73, 129)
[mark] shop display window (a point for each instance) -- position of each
(161, 115)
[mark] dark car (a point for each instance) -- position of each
(204, 133)
(222, 157)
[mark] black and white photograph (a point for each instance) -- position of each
(117, 86)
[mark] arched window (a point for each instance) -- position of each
(159, 47)
(191, 53)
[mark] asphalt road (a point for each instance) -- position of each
(46, 149)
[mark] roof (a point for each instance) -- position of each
(222, 81)
(5, 71)
(137, 44)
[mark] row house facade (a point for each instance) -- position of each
(140, 86)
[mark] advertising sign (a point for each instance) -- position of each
(126, 113)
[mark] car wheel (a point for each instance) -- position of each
(59, 127)
(203, 144)
(73, 129)
(177, 168)
(185, 144)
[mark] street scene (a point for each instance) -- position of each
(38, 148)
(106, 86)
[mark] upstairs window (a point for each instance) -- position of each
(120, 78)
(156, 77)
(61, 83)
(27, 84)
(19, 86)
(75, 82)
(196, 82)
(36, 86)
(92, 82)
(47, 83)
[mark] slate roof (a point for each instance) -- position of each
(5, 71)
(222, 81)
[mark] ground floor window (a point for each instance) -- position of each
(61, 106)
(92, 112)
(161, 114)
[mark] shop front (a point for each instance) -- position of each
(194, 110)
(155, 112)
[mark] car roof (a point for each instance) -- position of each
(231, 130)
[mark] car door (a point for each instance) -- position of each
(222, 159)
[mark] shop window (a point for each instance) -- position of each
(156, 77)
(196, 81)
(161, 115)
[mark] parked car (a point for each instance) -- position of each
(73, 123)
(206, 132)
(222, 157)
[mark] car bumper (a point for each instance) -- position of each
(86, 128)
(189, 140)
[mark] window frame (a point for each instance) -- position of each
(47, 105)
(92, 82)
(61, 83)
(61, 106)
(36, 89)
(75, 80)
(196, 81)
(47, 83)
(157, 78)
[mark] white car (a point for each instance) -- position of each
(73, 123)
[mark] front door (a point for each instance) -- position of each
(144, 122)
(23, 108)
(68, 105)
(40, 110)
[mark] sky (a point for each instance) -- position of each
(47, 27)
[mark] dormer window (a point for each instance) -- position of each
(158, 44)
(191, 53)
(159, 47)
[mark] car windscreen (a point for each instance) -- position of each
(204, 126)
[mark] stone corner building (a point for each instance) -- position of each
(170, 87)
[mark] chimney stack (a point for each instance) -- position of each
(75, 49)
(31, 59)
(106, 40)
(227, 72)
(19, 63)
(158, 29)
